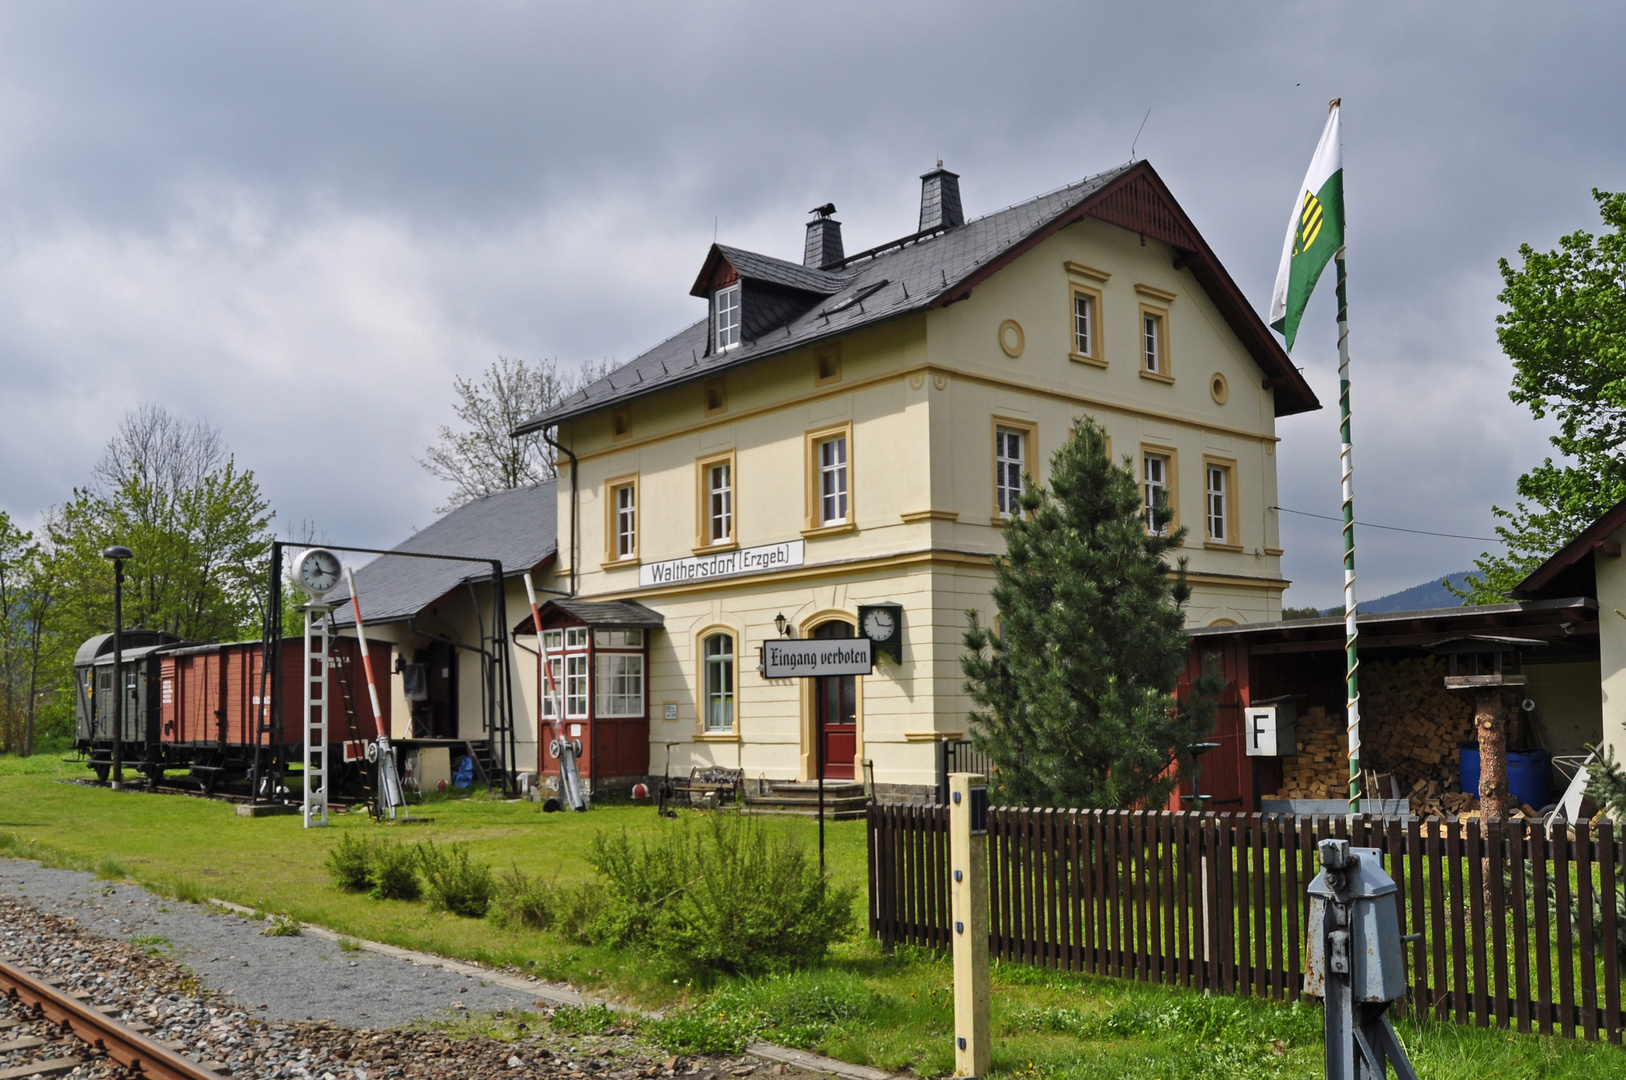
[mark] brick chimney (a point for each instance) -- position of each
(823, 238)
(940, 200)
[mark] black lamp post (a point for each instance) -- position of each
(118, 554)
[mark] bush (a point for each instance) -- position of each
(282, 926)
(392, 872)
(455, 882)
(730, 896)
(349, 861)
(522, 901)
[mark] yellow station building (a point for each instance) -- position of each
(849, 432)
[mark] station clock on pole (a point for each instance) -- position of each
(317, 572)
(883, 625)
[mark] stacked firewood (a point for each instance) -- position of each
(1411, 725)
(1320, 770)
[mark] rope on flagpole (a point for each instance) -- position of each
(1346, 461)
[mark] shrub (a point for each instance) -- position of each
(282, 926)
(454, 881)
(392, 872)
(349, 861)
(524, 901)
(731, 896)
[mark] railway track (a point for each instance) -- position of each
(46, 1019)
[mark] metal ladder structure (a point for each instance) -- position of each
(316, 744)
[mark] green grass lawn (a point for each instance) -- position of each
(893, 1011)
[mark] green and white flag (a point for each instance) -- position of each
(1315, 232)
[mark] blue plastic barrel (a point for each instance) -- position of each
(1528, 775)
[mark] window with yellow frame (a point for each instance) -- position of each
(716, 504)
(621, 519)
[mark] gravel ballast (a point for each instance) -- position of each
(210, 985)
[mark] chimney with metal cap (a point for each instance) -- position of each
(940, 200)
(823, 238)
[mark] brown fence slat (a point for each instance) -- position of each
(1224, 929)
(1588, 958)
(1566, 939)
(1496, 842)
(1608, 890)
(1054, 882)
(1168, 854)
(1416, 870)
(1517, 845)
(1076, 881)
(1538, 896)
(1187, 939)
(1475, 902)
(1099, 855)
(1459, 931)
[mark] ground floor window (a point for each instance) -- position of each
(719, 657)
(620, 684)
(576, 685)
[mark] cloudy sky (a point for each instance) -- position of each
(300, 221)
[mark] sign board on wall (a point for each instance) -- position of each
(754, 560)
(807, 658)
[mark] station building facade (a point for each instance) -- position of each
(851, 431)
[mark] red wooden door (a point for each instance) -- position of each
(835, 701)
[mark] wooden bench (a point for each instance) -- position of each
(720, 783)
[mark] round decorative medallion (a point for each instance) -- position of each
(1219, 388)
(1011, 338)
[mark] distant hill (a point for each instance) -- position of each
(1430, 594)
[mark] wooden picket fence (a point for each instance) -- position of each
(1510, 924)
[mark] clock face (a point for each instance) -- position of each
(879, 625)
(317, 572)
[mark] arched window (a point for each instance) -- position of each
(718, 653)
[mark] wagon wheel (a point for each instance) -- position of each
(101, 772)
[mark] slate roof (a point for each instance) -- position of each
(607, 613)
(518, 527)
(938, 268)
(754, 267)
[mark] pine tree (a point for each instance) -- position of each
(1073, 695)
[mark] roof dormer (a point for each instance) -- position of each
(751, 294)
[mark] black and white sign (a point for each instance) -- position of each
(807, 658)
(755, 560)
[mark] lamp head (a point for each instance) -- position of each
(118, 551)
(779, 623)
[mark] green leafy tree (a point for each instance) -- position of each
(1073, 696)
(1565, 331)
(27, 594)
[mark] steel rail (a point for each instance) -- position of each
(101, 1032)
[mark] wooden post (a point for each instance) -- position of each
(968, 859)
(1490, 726)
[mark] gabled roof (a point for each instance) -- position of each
(1570, 570)
(753, 267)
(615, 614)
(938, 268)
(517, 527)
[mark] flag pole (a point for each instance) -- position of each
(1346, 461)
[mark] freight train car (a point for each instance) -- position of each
(199, 707)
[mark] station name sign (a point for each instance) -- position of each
(807, 658)
(755, 560)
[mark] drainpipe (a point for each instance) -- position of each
(575, 506)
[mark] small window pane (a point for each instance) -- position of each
(553, 687)
(728, 317)
(1157, 490)
(1154, 343)
(576, 685)
(553, 639)
(719, 503)
(1217, 494)
(576, 637)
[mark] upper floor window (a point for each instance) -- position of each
(833, 480)
(1010, 462)
(1156, 477)
(719, 502)
(1083, 324)
(1154, 343)
(726, 315)
(717, 651)
(623, 521)
(1218, 503)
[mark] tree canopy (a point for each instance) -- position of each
(1073, 688)
(1565, 331)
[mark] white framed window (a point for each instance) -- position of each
(1010, 461)
(719, 502)
(620, 684)
(833, 481)
(1154, 344)
(576, 685)
(717, 651)
(625, 501)
(553, 640)
(726, 306)
(553, 688)
(575, 637)
(618, 639)
(1219, 482)
(1083, 324)
(1156, 478)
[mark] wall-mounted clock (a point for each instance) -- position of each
(317, 572)
(883, 625)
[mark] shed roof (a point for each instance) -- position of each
(606, 613)
(1570, 622)
(1570, 571)
(517, 527)
(940, 267)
